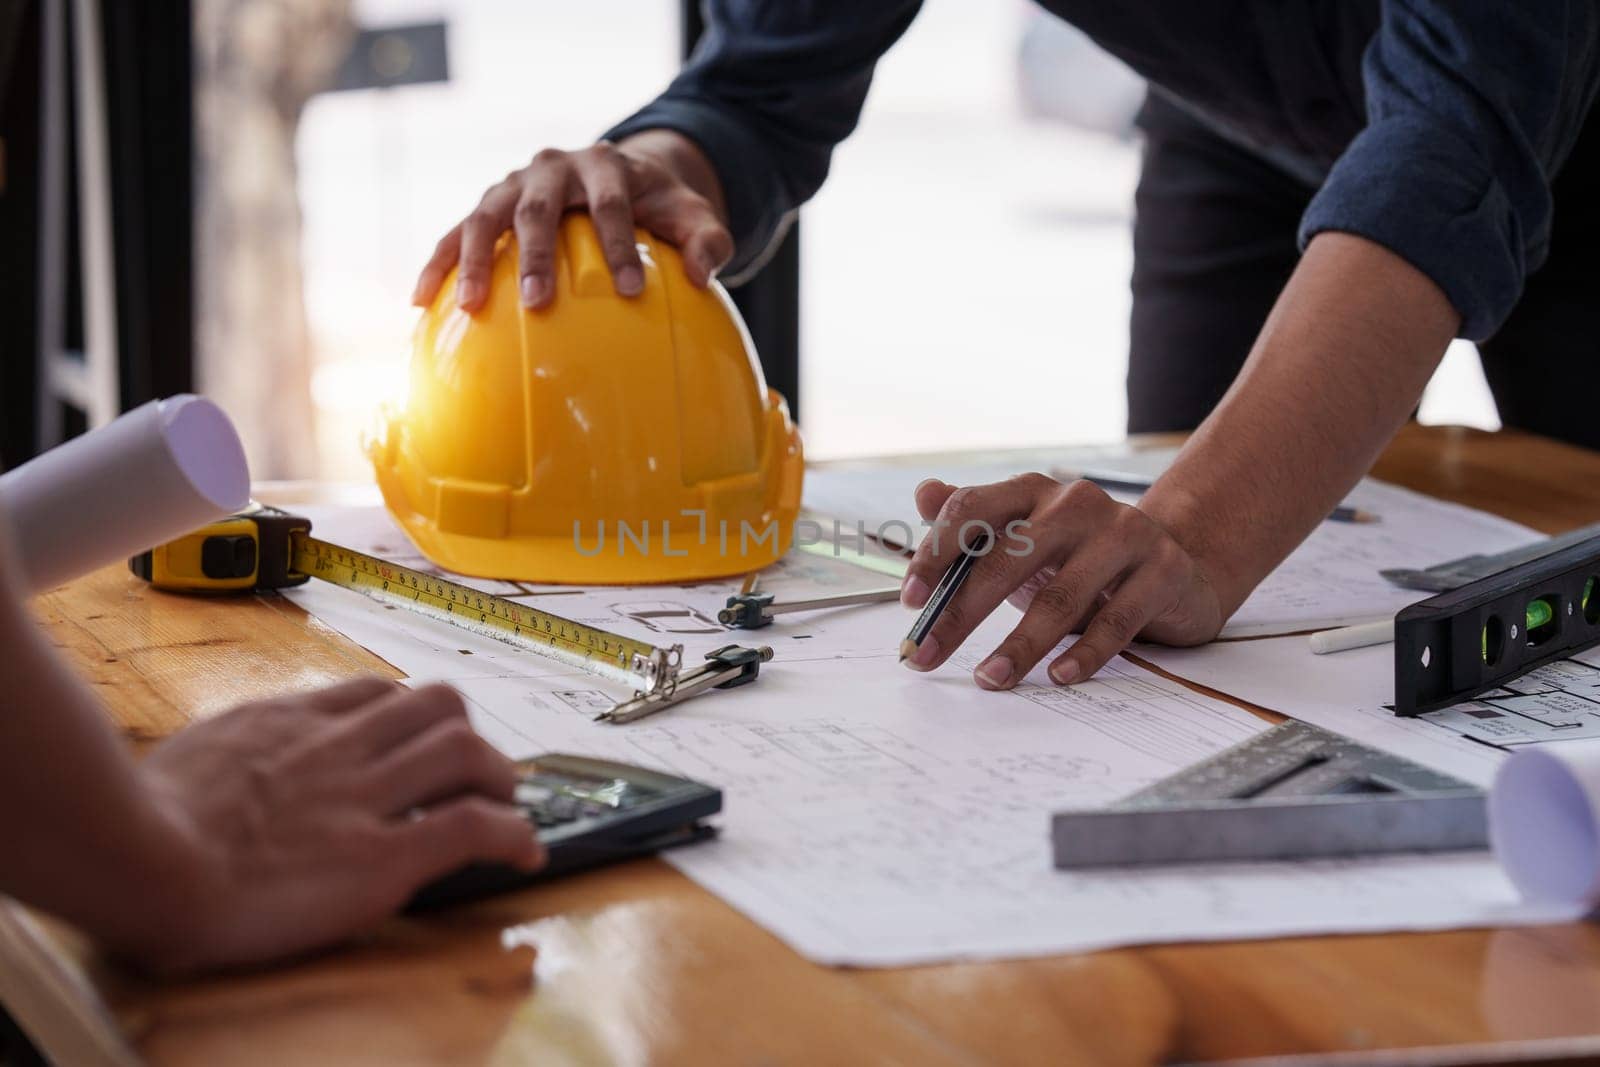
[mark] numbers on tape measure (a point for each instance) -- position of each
(502, 618)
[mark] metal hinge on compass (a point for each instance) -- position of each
(726, 668)
(264, 548)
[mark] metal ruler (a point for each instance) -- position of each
(1452, 574)
(1292, 792)
(752, 611)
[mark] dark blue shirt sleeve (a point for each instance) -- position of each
(1472, 106)
(772, 87)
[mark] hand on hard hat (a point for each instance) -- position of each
(601, 440)
(658, 180)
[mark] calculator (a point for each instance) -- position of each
(588, 812)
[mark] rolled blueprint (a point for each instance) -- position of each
(157, 472)
(1544, 821)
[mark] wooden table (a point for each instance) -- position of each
(636, 964)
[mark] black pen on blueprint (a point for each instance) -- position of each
(1113, 484)
(947, 588)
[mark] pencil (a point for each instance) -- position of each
(942, 594)
(1362, 635)
(1341, 513)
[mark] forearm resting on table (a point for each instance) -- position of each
(82, 837)
(1335, 372)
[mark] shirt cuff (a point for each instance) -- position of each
(749, 187)
(1431, 199)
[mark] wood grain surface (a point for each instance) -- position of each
(637, 965)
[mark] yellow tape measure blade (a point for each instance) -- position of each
(624, 659)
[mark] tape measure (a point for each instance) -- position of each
(265, 548)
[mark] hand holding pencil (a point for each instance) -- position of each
(1094, 566)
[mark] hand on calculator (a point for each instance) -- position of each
(310, 817)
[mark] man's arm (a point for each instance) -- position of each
(274, 828)
(770, 91)
(73, 815)
(716, 165)
(1335, 372)
(1427, 226)
(1472, 107)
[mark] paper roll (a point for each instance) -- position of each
(157, 472)
(1544, 821)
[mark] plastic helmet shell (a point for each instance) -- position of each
(601, 439)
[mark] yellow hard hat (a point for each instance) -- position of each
(598, 440)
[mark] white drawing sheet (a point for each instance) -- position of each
(153, 474)
(1557, 702)
(1346, 692)
(1542, 817)
(878, 817)
(1332, 579)
(1352, 693)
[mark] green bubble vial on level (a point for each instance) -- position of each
(1540, 615)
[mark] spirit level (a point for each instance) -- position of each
(1469, 640)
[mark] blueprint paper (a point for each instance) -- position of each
(1331, 580)
(1543, 817)
(155, 473)
(881, 498)
(1352, 693)
(1346, 692)
(1559, 701)
(900, 819)
(879, 817)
